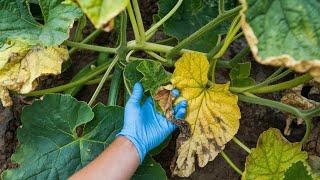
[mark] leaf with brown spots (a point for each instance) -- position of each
(213, 114)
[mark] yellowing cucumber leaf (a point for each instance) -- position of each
(22, 72)
(102, 12)
(213, 113)
(284, 33)
(12, 50)
(17, 23)
(154, 76)
(272, 156)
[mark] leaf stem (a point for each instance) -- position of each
(103, 80)
(156, 56)
(155, 27)
(243, 146)
(231, 164)
(90, 47)
(221, 6)
(222, 17)
(133, 23)
(306, 136)
(139, 20)
(89, 38)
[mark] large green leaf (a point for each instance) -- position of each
(154, 76)
(284, 33)
(298, 171)
(272, 156)
(100, 12)
(52, 148)
(191, 16)
(150, 169)
(16, 21)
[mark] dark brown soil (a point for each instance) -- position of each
(255, 119)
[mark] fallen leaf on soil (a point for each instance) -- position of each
(213, 114)
(20, 74)
(272, 157)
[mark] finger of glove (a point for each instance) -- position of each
(180, 114)
(182, 104)
(175, 92)
(137, 93)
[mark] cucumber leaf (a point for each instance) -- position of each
(240, 75)
(298, 171)
(154, 76)
(17, 23)
(272, 157)
(51, 145)
(284, 33)
(191, 16)
(131, 75)
(213, 114)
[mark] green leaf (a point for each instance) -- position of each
(16, 22)
(272, 156)
(284, 33)
(154, 76)
(239, 75)
(100, 12)
(297, 172)
(150, 169)
(51, 147)
(191, 16)
(131, 74)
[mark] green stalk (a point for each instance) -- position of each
(155, 27)
(221, 6)
(215, 22)
(97, 80)
(103, 80)
(239, 143)
(114, 87)
(282, 86)
(306, 136)
(156, 56)
(80, 26)
(89, 38)
(133, 23)
(90, 47)
(237, 59)
(79, 82)
(139, 20)
(231, 164)
(313, 112)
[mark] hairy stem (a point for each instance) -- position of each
(139, 20)
(133, 23)
(90, 47)
(243, 146)
(89, 38)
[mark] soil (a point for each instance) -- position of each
(254, 118)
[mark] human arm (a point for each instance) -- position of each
(144, 129)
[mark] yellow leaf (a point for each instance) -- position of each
(21, 72)
(213, 113)
(11, 51)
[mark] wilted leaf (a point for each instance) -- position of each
(17, 23)
(5, 97)
(191, 16)
(12, 51)
(52, 148)
(272, 156)
(164, 99)
(24, 68)
(297, 171)
(131, 75)
(154, 76)
(102, 12)
(212, 113)
(314, 163)
(284, 33)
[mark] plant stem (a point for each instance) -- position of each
(313, 112)
(79, 82)
(90, 47)
(82, 22)
(306, 136)
(103, 80)
(213, 69)
(97, 80)
(231, 164)
(221, 6)
(237, 59)
(139, 20)
(276, 73)
(114, 87)
(204, 29)
(156, 56)
(154, 47)
(91, 36)
(155, 27)
(282, 86)
(133, 23)
(243, 146)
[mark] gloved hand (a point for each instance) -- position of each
(143, 125)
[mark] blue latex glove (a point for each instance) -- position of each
(143, 125)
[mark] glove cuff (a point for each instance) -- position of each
(142, 151)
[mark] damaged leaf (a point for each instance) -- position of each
(102, 12)
(272, 156)
(154, 76)
(165, 100)
(213, 114)
(22, 72)
(17, 23)
(284, 33)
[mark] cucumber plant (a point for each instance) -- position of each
(60, 135)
